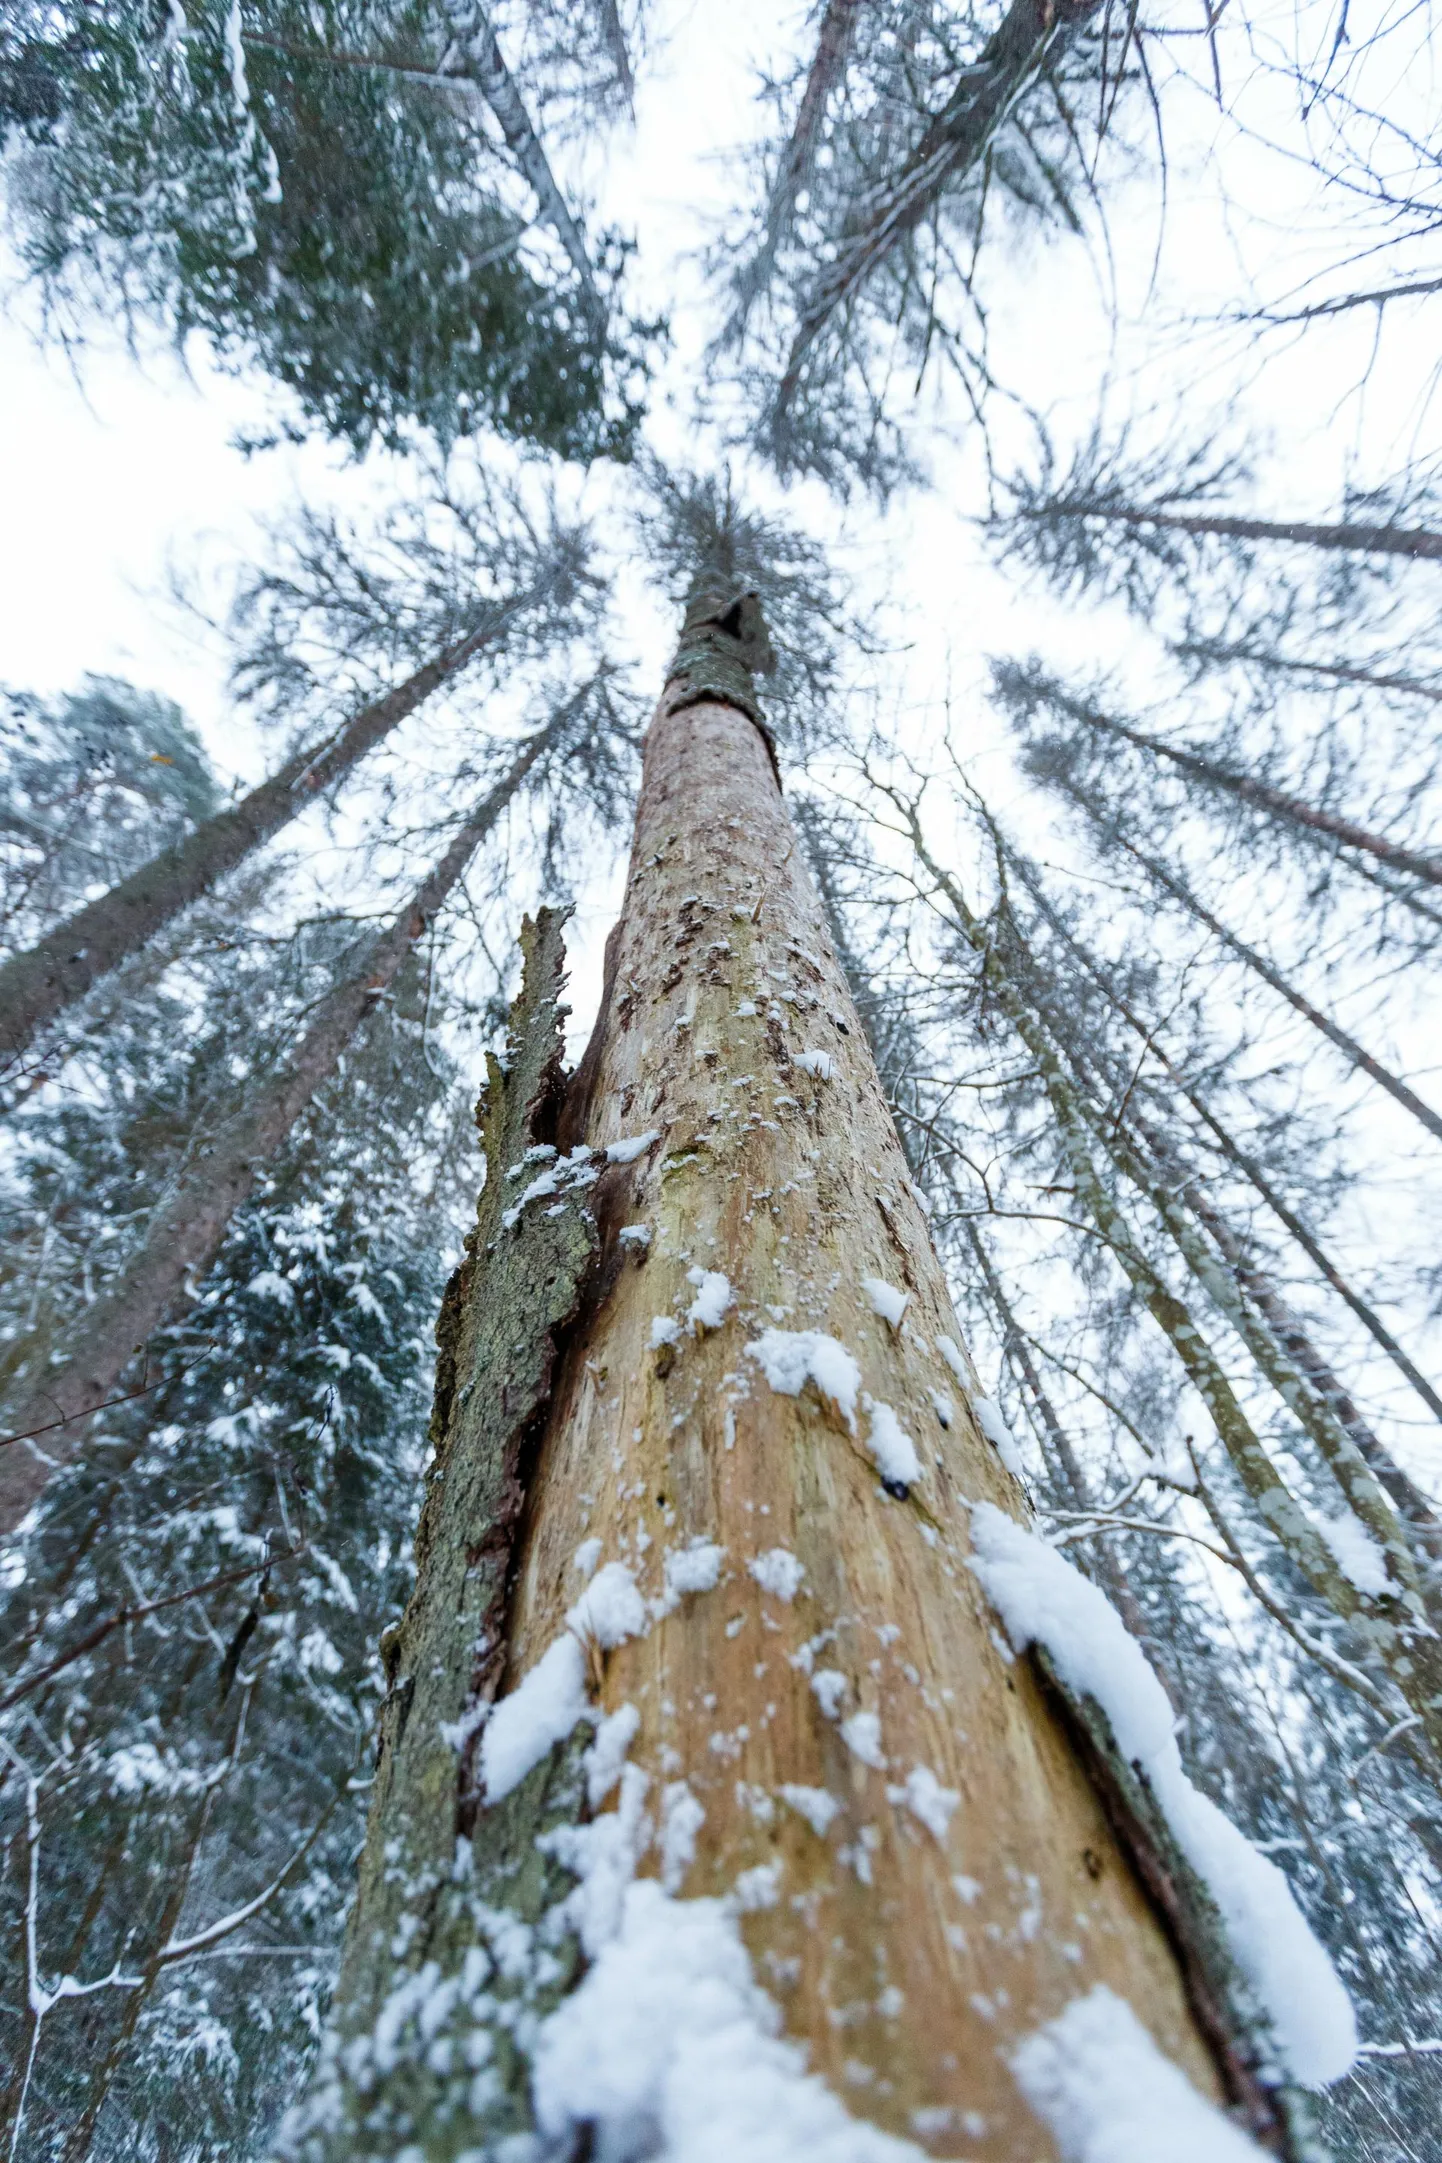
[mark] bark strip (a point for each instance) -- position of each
(447, 1904)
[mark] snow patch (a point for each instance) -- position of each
(886, 1300)
(547, 1703)
(587, 1555)
(1042, 1599)
(777, 1572)
(813, 1062)
(1355, 1552)
(891, 1447)
(756, 1888)
(610, 1609)
(664, 1330)
(819, 1809)
(926, 1798)
(633, 1146)
(667, 2048)
(564, 1174)
(607, 1754)
(540, 1712)
(989, 1419)
(1109, 2096)
(713, 1296)
(957, 1360)
(862, 1737)
(790, 1358)
(681, 1819)
(636, 1238)
(829, 1687)
(696, 1568)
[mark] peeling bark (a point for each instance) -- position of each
(731, 1075)
(436, 1886)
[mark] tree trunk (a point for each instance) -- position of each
(1416, 541)
(38, 985)
(185, 1233)
(1276, 801)
(1388, 1629)
(1218, 653)
(477, 56)
(814, 1681)
(797, 160)
(1351, 1050)
(1230, 1147)
(954, 142)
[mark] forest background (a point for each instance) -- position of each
(1153, 316)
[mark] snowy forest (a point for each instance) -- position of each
(720, 877)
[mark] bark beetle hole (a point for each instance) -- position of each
(897, 1489)
(1092, 1862)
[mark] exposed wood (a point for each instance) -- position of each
(795, 1187)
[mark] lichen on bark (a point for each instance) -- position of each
(449, 1960)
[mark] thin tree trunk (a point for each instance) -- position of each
(1232, 1149)
(1066, 1469)
(1395, 1087)
(797, 160)
(953, 143)
(618, 1413)
(187, 1230)
(476, 56)
(1296, 1340)
(1415, 541)
(613, 30)
(1387, 1626)
(38, 985)
(1275, 801)
(1216, 653)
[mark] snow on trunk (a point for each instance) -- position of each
(819, 1873)
(911, 1957)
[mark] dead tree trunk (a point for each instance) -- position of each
(953, 143)
(1276, 802)
(48, 1425)
(1335, 1034)
(702, 1486)
(38, 985)
(1414, 541)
